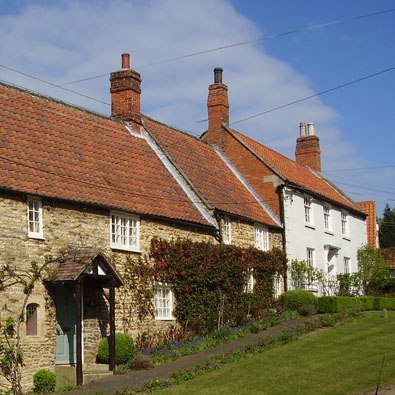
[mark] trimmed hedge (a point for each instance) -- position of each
(125, 349)
(335, 304)
(297, 300)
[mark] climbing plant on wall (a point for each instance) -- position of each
(209, 281)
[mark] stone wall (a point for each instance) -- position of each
(71, 225)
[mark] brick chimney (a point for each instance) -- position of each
(125, 94)
(308, 151)
(218, 109)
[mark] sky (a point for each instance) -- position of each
(65, 41)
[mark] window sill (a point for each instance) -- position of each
(165, 319)
(123, 248)
(329, 232)
(348, 238)
(311, 226)
(36, 237)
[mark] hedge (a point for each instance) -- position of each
(335, 304)
(297, 300)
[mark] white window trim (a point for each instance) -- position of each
(345, 230)
(308, 208)
(346, 265)
(126, 246)
(227, 231)
(261, 237)
(328, 214)
(39, 234)
(163, 286)
(250, 282)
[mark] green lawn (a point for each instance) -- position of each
(342, 360)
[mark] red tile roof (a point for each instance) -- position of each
(297, 174)
(369, 207)
(209, 173)
(56, 150)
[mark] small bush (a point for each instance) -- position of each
(141, 362)
(125, 349)
(297, 300)
(307, 310)
(44, 382)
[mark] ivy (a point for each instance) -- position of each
(208, 281)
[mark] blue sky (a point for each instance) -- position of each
(63, 41)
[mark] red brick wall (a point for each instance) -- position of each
(308, 152)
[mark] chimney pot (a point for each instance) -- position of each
(310, 128)
(302, 127)
(218, 75)
(126, 61)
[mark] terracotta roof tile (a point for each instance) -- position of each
(209, 173)
(56, 150)
(369, 207)
(297, 174)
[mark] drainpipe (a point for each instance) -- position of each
(282, 214)
(218, 218)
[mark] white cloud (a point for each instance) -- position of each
(64, 41)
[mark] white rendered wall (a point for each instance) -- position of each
(299, 236)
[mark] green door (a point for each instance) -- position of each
(66, 339)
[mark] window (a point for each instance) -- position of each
(227, 231)
(249, 287)
(163, 302)
(310, 262)
(327, 218)
(346, 265)
(277, 286)
(308, 211)
(261, 237)
(344, 222)
(35, 218)
(31, 319)
(125, 232)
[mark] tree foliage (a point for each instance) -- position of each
(374, 270)
(387, 228)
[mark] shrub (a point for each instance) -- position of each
(335, 304)
(141, 362)
(124, 349)
(44, 381)
(307, 310)
(367, 302)
(297, 300)
(384, 303)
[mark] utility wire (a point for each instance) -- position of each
(52, 84)
(303, 29)
(309, 97)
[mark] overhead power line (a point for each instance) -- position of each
(53, 85)
(300, 30)
(308, 97)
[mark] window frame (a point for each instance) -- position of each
(227, 231)
(250, 282)
(327, 213)
(126, 235)
(39, 221)
(346, 265)
(163, 287)
(261, 237)
(344, 223)
(32, 323)
(308, 210)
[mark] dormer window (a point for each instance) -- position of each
(35, 218)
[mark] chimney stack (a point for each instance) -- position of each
(125, 94)
(308, 152)
(218, 110)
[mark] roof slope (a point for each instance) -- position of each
(302, 176)
(56, 150)
(209, 174)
